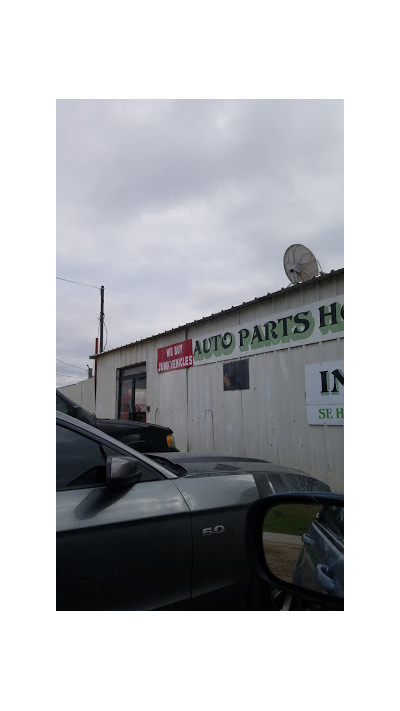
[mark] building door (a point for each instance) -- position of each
(132, 401)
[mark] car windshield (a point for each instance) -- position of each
(75, 410)
(173, 467)
(88, 414)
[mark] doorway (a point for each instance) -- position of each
(132, 400)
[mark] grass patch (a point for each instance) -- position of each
(293, 519)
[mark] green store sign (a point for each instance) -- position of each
(315, 322)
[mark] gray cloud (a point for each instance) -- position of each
(182, 208)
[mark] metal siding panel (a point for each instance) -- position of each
(201, 409)
(171, 409)
(253, 409)
(228, 422)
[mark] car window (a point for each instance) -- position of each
(332, 517)
(81, 461)
(61, 405)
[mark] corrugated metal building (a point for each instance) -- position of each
(264, 379)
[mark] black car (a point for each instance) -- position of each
(133, 534)
(142, 436)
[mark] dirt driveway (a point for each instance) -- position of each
(281, 554)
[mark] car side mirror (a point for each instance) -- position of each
(122, 471)
(296, 543)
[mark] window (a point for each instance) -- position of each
(61, 406)
(332, 517)
(81, 461)
(236, 375)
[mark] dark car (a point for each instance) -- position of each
(133, 534)
(320, 566)
(143, 436)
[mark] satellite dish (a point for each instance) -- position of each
(300, 264)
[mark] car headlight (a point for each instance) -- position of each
(171, 441)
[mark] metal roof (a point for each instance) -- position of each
(256, 300)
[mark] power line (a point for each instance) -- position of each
(65, 375)
(71, 364)
(101, 290)
(79, 282)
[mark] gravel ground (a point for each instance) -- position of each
(281, 553)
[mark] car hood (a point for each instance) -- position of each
(127, 425)
(269, 478)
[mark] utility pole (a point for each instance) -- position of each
(101, 307)
(101, 317)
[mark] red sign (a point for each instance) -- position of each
(179, 355)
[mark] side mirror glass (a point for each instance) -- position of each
(122, 471)
(303, 544)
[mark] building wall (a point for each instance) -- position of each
(83, 393)
(267, 421)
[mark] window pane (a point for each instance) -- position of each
(80, 460)
(125, 406)
(61, 406)
(132, 404)
(332, 517)
(236, 375)
(140, 399)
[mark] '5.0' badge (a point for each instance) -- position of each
(216, 531)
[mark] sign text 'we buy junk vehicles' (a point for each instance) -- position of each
(319, 321)
(175, 357)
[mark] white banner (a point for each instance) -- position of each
(325, 393)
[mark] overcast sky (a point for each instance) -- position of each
(182, 208)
